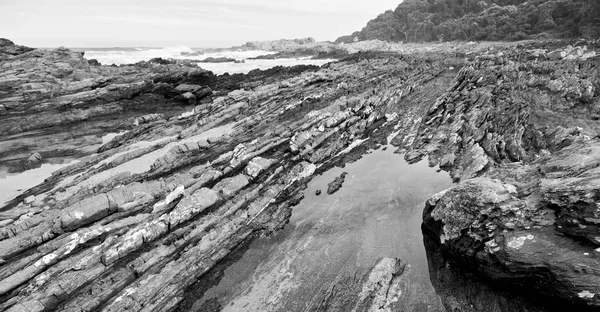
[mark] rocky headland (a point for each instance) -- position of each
(209, 163)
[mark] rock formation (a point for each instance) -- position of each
(376, 291)
(336, 184)
(137, 224)
(58, 87)
(218, 60)
(519, 136)
(47, 90)
(278, 45)
(8, 49)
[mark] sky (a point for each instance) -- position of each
(194, 23)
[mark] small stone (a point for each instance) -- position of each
(29, 200)
(318, 192)
(39, 201)
(336, 184)
(557, 55)
(258, 165)
(34, 161)
(586, 295)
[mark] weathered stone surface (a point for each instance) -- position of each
(336, 184)
(134, 226)
(8, 49)
(34, 161)
(525, 212)
(378, 290)
(163, 203)
(68, 81)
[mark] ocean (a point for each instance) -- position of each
(120, 56)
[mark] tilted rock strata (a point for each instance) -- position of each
(45, 88)
(526, 211)
(137, 224)
(8, 49)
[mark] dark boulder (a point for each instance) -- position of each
(336, 184)
(162, 61)
(34, 161)
(94, 62)
(201, 77)
(218, 60)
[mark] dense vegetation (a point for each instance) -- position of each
(444, 20)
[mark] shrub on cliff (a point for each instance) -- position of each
(445, 20)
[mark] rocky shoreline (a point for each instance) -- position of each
(139, 222)
(525, 152)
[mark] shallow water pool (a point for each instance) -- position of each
(377, 213)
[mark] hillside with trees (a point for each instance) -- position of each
(491, 20)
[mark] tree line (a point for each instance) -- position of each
(489, 20)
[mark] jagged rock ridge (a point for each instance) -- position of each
(521, 137)
(135, 225)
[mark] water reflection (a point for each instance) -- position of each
(14, 184)
(377, 213)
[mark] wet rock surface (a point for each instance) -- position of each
(321, 258)
(56, 103)
(377, 290)
(136, 225)
(336, 184)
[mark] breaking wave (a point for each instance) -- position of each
(123, 56)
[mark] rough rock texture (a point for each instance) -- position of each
(34, 161)
(132, 227)
(74, 103)
(136, 225)
(317, 51)
(45, 88)
(218, 60)
(378, 290)
(336, 184)
(278, 45)
(8, 49)
(519, 136)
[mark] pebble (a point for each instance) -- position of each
(29, 200)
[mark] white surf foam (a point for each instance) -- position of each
(130, 56)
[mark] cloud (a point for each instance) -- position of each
(190, 22)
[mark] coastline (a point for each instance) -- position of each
(138, 222)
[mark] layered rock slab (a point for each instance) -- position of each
(519, 140)
(137, 224)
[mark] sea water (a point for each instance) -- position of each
(377, 213)
(121, 56)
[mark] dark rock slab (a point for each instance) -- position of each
(336, 184)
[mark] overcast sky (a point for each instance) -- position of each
(195, 23)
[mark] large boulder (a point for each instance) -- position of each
(535, 227)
